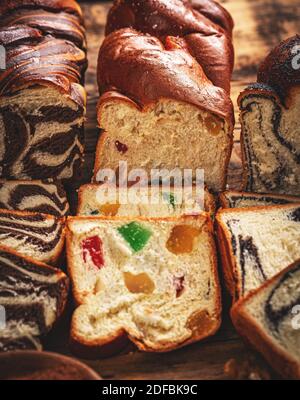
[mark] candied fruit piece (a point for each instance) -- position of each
(140, 283)
(93, 246)
(135, 235)
(182, 238)
(121, 147)
(213, 125)
(170, 198)
(110, 210)
(178, 282)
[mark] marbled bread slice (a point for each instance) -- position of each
(32, 297)
(232, 199)
(40, 236)
(153, 280)
(256, 243)
(269, 319)
(46, 197)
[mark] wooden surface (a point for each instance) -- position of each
(259, 25)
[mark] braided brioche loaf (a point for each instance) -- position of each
(164, 78)
(42, 100)
(270, 126)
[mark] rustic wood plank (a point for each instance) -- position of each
(259, 25)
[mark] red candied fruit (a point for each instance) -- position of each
(121, 147)
(179, 284)
(93, 246)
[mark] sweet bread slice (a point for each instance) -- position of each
(256, 243)
(32, 297)
(153, 280)
(269, 319)
(35, 235)
(232, 199)
(270, 135)
(46, 197)
(95, 199)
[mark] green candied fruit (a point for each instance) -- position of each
(135, 235)
(170, 198)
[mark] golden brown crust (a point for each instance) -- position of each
(117, 340)
(248, 328)
(201, 27)
(47, 31)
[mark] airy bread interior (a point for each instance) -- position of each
(257, 244)
(95, 199)
(271, 141)
(165, 135)
(159, 298)
(42, 136)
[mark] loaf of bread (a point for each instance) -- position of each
(95, 199)
(153, 280)
(164, 80)
(270, 127)
(35, 196)
(269, 320)
(42, 100)
(32, 298)
(232, 199)
(39, 236)
(256, 243)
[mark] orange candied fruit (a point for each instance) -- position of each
(213, 125)
(140, 283)
(110, 210)
(182, 238)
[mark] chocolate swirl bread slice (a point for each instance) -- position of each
(256, 243)
(39, 236)
(232, 199)
(269, 319)
(153, 280)
(32, 298)
(164, 80)
(270, 127)
(35, 196)
(42, 100)
(95, 199)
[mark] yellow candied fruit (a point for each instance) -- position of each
(213, 125)
(110, 210)
(182, 238)
(140, 283)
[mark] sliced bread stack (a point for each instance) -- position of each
(151, 280)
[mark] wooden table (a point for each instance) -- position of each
(259, 26)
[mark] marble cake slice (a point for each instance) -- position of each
(232, 199)
(269, 114)
(256, 243)
(33, 296)
(36, 196)
(40, 236)
(269, 319)
(42, 98)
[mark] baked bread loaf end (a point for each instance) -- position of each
(42, 100)
(270, 124)
(164, 91)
